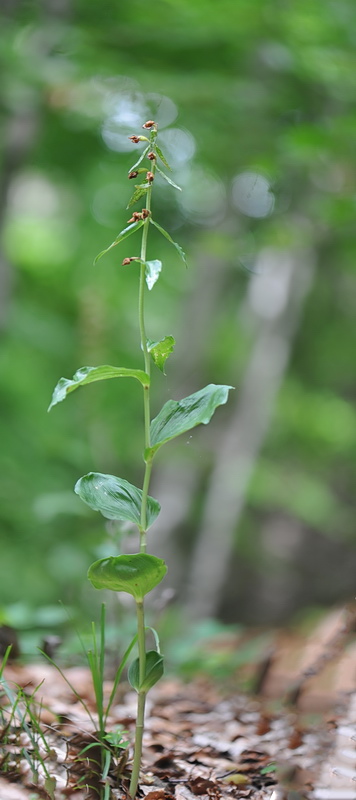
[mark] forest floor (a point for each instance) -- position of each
(295, 737)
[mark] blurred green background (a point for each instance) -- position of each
(255, 103)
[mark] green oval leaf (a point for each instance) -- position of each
(115, 498)
(152, 271)
(153, 671)
(167, 236)
(135, 574)
(121, 236)
(86, 375)
(177, 417)
(160, 351)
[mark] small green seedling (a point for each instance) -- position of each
(272, 767)
(137, 574)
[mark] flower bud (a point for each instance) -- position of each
(145, 213)
(149, 124)
(150, 177)
(151, 156)
(132, 174)
(135, 138)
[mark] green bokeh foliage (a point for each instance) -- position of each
(261, 86)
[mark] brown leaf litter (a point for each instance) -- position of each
(201, 740)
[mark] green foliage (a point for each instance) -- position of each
(136, 574)
(140, 192)
(21, 713)
(115, 498)
(177, 417)
(111, 744)
(116, 739)
(86, 375)
(160, 351)
(272, 767)
(153, 269)
(169, 239)
(140, 159)
(168, 179)
(153, 671)
(162, 156)
(126, 232)
(273, 90)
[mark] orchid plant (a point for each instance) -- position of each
(116, 498)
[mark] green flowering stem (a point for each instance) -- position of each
(141, 641)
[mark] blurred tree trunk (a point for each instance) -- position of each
(276, 298)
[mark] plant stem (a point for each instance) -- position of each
(143, 522)
(141, 699)
(141, 640)
(146, 390)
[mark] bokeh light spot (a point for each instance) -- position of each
(252, 195)
(203, 200)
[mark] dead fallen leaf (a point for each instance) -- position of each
(201, 785)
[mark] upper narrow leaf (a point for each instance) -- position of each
(162, 157)
(135, 574)
(177, 417)
(115, 498)
(144, 152)
(160, 351)
(121, 236)
(86, 375)
(167, 236)
(169, 180)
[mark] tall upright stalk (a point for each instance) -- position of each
(140, 610)
(138, 573)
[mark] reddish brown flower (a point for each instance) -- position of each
(150, 177)
(145, 213)
(135, 217)
(151, 156)
(127, 261)
(149, 124)
(135, 138)
(132, 174)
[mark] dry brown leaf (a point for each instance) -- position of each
(201, 785)
(156, 794)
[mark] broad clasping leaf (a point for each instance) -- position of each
(115, 498)
(135, 574)
(86, 375)
(177, 417)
